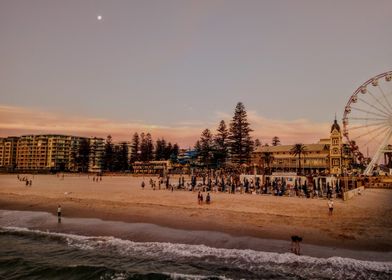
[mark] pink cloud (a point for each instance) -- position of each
(20, 120)
(288, 131)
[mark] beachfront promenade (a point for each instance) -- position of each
(363, 222)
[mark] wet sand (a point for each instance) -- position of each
(44, 222)
(363, 223)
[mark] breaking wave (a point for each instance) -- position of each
(125, 259)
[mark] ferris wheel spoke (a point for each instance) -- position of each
(369, 112)
(368, 125)
(383, 127)
(384, 132)
(377, 154)
(374, 107)
(385, 98)
(389, 110)
(368, 119)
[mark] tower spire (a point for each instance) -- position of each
(335, 124)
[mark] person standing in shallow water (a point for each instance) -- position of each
(295, 248)
(59, 213)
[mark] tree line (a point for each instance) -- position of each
(231, 143)
(143, 149)
(120, 156)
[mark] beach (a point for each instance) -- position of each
(362, 223)
(114, 229)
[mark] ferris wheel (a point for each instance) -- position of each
(367, 120)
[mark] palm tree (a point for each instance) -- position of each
(267, 158)
(298, 150)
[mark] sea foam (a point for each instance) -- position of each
(250, 260)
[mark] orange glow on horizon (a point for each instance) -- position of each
(15, 121)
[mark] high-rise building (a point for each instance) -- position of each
(48, 152)
(27, 151)
(97, 150)
(128, 145)
(44, 152)
(8, 147)
(51, 152)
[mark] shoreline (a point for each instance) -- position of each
(45, 223)
(358, 225)
(138, 214)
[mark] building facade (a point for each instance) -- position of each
(97, 150)
(335, 150)
(50, 152)
(328, 156)
(8, 147)
(161, 167)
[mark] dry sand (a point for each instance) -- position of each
(363, 223)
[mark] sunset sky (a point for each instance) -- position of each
(173, 68)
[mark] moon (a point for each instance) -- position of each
(99, 17)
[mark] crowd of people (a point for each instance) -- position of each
(27, 182)
(97, 178)
(200, 198)
(230, 182)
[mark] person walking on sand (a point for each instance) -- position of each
(59, 213)
(330, 206)
(208, 198)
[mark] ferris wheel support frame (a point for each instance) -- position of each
(369, 169)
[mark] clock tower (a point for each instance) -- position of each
(335, 149)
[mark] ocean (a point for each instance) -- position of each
(34, 246)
